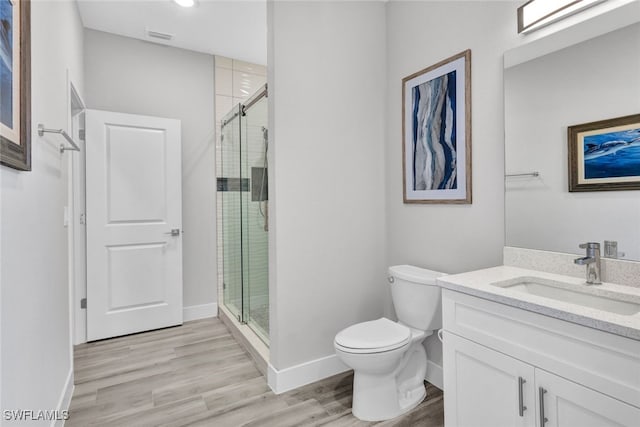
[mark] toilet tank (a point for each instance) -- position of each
(416, 297)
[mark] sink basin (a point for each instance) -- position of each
(583, 295)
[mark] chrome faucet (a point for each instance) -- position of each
(592, 261)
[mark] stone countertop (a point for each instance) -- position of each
(479, 283)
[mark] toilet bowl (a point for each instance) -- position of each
(387, 357)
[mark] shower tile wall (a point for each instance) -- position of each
(235, 81)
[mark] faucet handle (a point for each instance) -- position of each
(589, 245)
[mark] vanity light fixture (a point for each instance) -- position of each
(538, 13)
(185, 3)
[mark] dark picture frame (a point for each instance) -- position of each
(605, 155)
(436, 133)
(15, 141)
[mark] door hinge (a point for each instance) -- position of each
(81, 134)
(83, 303)
(224, 285)
(83, 219)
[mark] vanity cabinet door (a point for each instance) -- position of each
(564, 403)
(485, 388)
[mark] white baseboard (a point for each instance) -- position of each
(293, 377)
(65, 399)
(434, 375)
(287, 379)
(202, 311)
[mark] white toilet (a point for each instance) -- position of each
(387, 357)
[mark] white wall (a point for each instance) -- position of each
(132, 76)
(36, 346)
(326, 156)
(449, 238)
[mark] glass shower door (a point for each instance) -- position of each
(255, 210)
(242, 184)
(230, 187)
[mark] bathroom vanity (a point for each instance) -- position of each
(527, 348)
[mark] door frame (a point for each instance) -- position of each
(75, 216)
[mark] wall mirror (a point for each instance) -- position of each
(592, 80)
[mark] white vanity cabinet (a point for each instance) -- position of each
(485, 387)
(567, 404)
(508, 367)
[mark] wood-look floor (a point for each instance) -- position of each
(197, 375)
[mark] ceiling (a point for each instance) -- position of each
(232, 28)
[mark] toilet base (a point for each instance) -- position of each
(383, 397)
(413, 398)
(376, 398)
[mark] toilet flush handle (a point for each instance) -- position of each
(391, 279)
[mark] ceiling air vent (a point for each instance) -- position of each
(159, 35)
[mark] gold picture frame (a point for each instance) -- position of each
(15, 81)
(436, 132)
(605, 155)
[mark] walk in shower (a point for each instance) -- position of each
(243, 186)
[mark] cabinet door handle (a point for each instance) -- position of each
(521, 407)
(543, 419)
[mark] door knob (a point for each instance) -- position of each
(175, 232)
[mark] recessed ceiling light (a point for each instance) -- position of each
(185, 3)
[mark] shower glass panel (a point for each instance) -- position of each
(230, 186)
(255, 205)
(244, 189)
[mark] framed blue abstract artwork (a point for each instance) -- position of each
(605, 155)
(436, 128)
(15, 84)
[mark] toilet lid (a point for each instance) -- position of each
(381, 334)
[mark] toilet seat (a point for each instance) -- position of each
(375, 336)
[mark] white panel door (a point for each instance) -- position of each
(485, 388)
(134, 201)
(567, 404)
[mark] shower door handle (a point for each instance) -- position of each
(175, 232)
